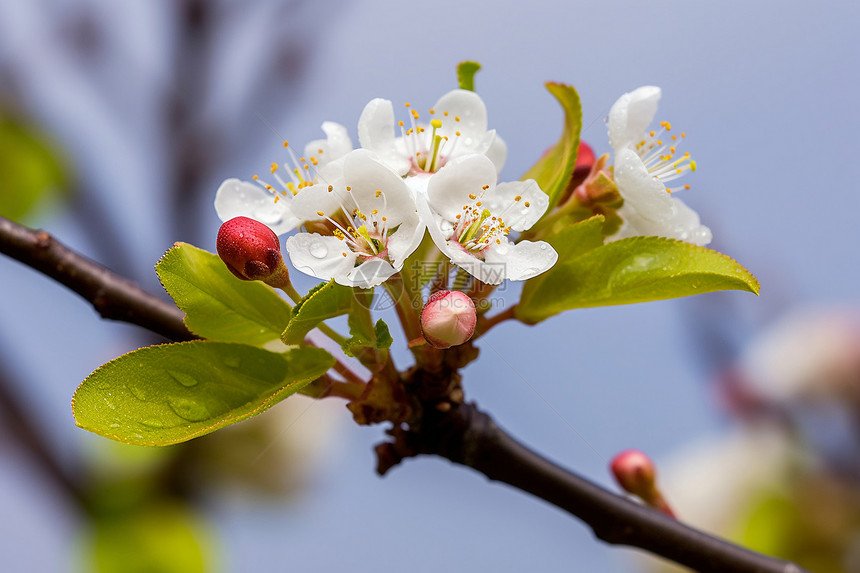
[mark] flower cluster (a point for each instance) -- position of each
(363, 211)
(360, 213)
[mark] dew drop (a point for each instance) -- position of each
(139, 392)
(185, 379)
(188, 409)
(152, 423)
(318, 250)
(233, 361)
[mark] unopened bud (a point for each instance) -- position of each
(448, 319)
(635, 473)
(584, 160)
(252, 252)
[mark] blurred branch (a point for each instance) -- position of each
(14, 415)
(112, 296)
(469, 437)
(463, 434)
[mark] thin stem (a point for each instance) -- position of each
(406, 312)
(485, 324)
(469, 437)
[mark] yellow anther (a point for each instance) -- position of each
(527, 204)
(400, 123)
(269, 187)
(674, 138)
(374, 212)
(652, 134)
(478, 204)
(518, 198)
(420, 129)
(683, 134)
(437, 123)
(472, 196)
(348, 188)
(457, 216)
(314, 160)
(378, 192)
(692, 166)
(456, 118)
(415, 114)
(277, 198)
(407, 104)
(432, 111)
(306, 166)
(344, 254)
(445, 114)
(320, 213)
(498, 241)
(286, 144)
(672, 150)
(457, 133)
(686, 186)
(659, 142)
(384, 219)
(320, 150)
(273, 168)
(255, 177)
(330, 188)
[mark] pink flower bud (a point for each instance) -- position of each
(251, 251)
(448, 319)
(635, 473)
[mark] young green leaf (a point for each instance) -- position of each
(466, 75)
(171, 393)
(217, 305)
(380, 338)
(637, 269)
(554, 170)
(326, 300)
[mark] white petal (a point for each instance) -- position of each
(497, 150)
(311, 201)
(449, 188)
(523, 260)
(404, 241)
(319, 256)
(684, 225)
(376, 133)
(366, 176)
(237, 198)
(368, 274)
(470, 109)
(337, 144)
(642, 191)
(631, 114)
(516, 214)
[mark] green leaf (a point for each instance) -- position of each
(31, 171)
(324, 301)
(554, 170)
(171, 393)
(466, 74)
(383, 335)
(380, 338)
(217, 305)
(161, 538)
(637, 269)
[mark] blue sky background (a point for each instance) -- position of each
(765, 91)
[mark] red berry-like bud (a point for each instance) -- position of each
(448, 319)
(584, 160)
(252, 251)
(635, 473)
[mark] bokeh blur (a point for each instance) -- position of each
(118, 119)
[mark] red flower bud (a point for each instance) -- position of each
(584, 160)
(635, 473)
(252, 251)
(448, 319)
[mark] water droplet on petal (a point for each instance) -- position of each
(185, 379)
(318, 250)
(543, 247)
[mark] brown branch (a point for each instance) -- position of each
(469, 437)
(112, 296)
(463, 434)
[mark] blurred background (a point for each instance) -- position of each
(118, 120)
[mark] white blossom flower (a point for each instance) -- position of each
(270, 205)
(368, 220)
(469, 218)
(457, 127)
(645, 161)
